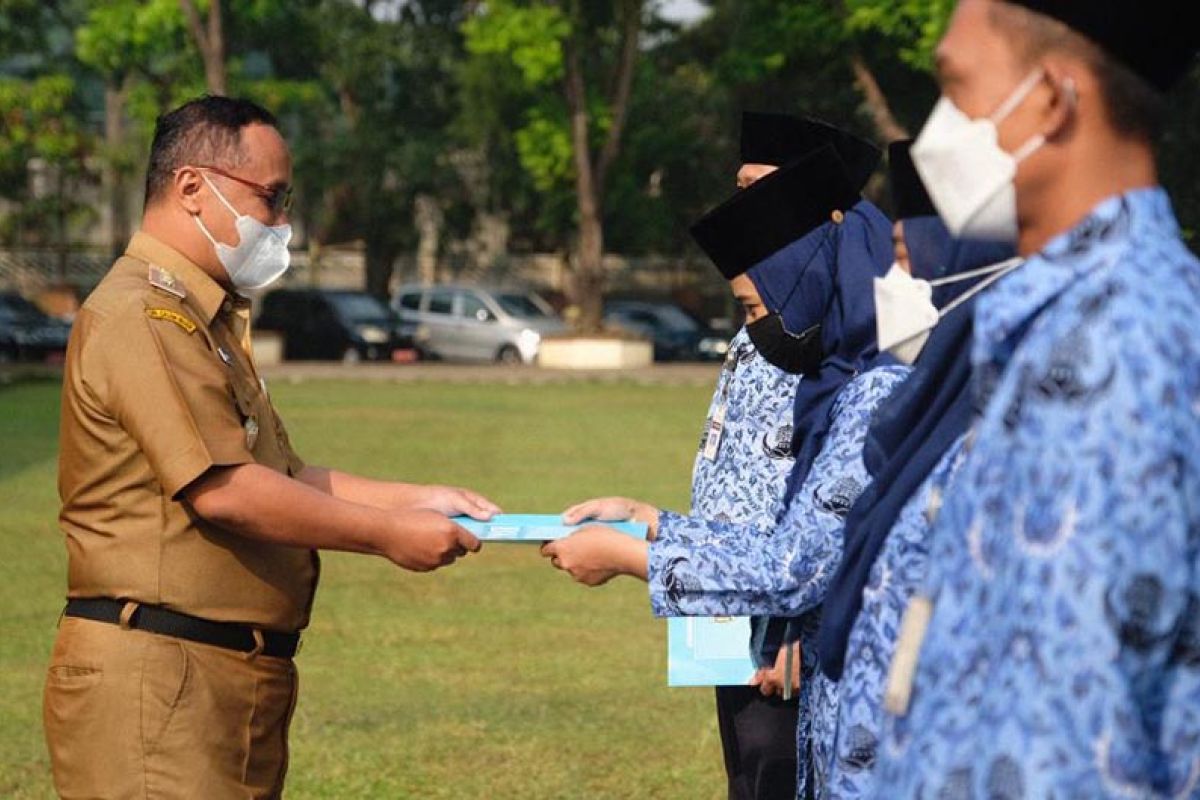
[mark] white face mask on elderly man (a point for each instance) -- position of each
(968, 175)
(904, 311)
(261, 255)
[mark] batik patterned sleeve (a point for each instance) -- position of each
(1075, 518)
(701, 567)
(1180, 737)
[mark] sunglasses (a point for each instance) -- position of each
(278, 199)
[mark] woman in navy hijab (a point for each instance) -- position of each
(820, 323)
(913, 449)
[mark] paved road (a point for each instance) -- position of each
(657, 375)
(296, 372)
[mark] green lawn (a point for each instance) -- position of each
(497, 678)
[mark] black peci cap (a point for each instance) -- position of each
(909, 198)
(779, 139)
(1151, 37)
(775, 211)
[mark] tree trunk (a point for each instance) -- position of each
(427, 218)
(587, 286)
(631, 28)
(587, 283)
(210, 40)
(380, 263)
(488, 242)
(113, 177)
(60, 217)
(881, 113)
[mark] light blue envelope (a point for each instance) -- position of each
(709, 651)
(537, 528)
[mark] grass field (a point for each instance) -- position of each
(497, 678)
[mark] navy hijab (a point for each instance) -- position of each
(826, 277)
(911, 431)
(823, 277)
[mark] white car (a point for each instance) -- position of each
(472, 323)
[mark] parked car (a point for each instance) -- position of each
(473, 323)
(676, 334)
(333, 324)
(27, 334)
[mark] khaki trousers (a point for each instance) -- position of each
(130, 714)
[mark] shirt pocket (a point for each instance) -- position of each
(261, 428)
(248, 402)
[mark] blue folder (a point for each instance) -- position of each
(537, 528)
(709, 651)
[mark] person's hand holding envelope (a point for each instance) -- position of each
(596, 554)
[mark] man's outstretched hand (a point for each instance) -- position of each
(423, 541)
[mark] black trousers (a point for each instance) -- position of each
(758, 736)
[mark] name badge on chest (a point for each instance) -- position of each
(716, 428)
(716, 425)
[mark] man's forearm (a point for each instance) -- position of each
(357, 489)
(260, 503)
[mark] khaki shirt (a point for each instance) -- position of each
(159, 387)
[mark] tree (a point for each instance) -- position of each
(590, 50)
(210, 40)
(375, 141)
(125, 41)
(786, 54)
(911, 28)
(43, 160)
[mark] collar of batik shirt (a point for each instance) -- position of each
(1004, 313)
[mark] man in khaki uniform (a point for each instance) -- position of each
(192, 526)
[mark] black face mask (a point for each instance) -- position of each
(798, 354)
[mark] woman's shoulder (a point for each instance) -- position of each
(869, 388)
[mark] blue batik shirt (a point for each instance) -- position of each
(703, 567)
(1063, 654)
(744, 480)
(742, 476)
(897, 574)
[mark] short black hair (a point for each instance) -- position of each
(207, 130)
(1134, 106)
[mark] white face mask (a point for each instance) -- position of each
(261, 255)
(968, 176)
(904, 310)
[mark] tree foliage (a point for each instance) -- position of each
(452, 128)
(43, 159)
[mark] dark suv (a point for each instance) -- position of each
(676, 334)
(333, 325)
(27, 334)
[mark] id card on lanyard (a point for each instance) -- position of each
(716, 425)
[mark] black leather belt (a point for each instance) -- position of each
(155, 619)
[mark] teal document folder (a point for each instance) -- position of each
(537, 528)
(709, 651)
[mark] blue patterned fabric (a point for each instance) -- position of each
(897, 572)
(702, 567)
(911, 451)
(1063, 655)
(910, 435)
(824, 278)
(744, 482)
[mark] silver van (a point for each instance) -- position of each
(474, 323)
